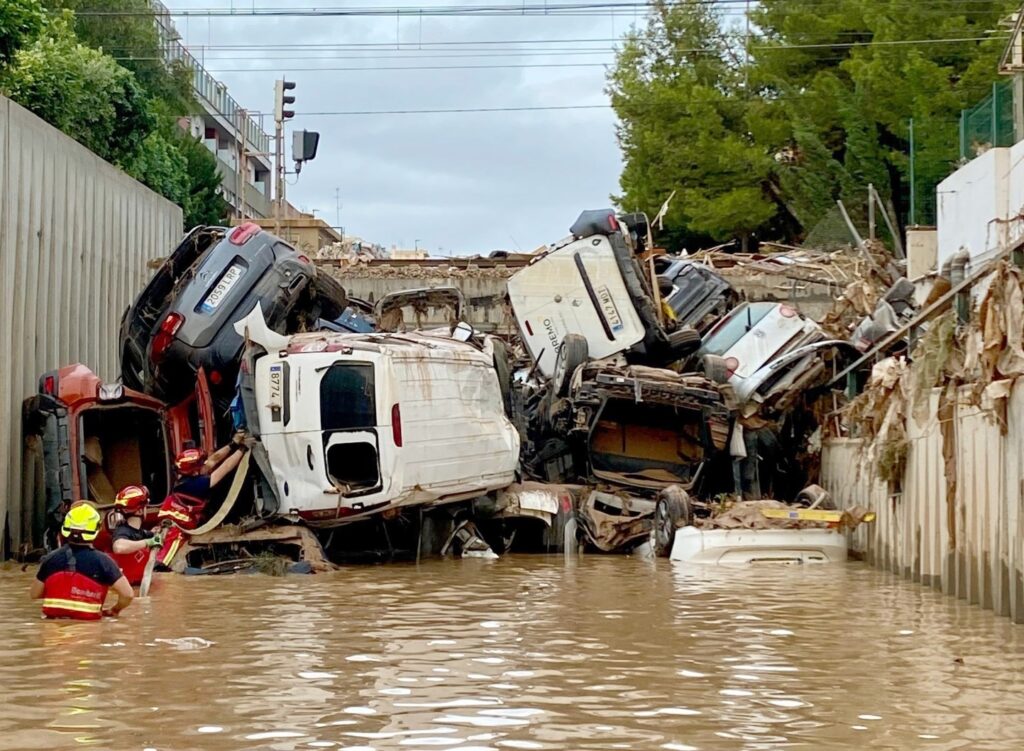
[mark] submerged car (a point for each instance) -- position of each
(593, 284)
(351, 425)
(98, 437)
(184, 318)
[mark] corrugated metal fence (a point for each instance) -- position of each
(75, 238)
(973, 547)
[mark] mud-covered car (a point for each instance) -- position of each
(635, 427)
(594, 284)
(184, 318)
(695, 294)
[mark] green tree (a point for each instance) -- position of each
(127, 31)
(844, 79)
(81, 91)
(21, 21)
(204, 204)
(768, 138)
(677, 90)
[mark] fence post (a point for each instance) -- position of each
(963, 134)
(913, 195)
(995, 114)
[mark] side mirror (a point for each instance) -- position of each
(463, 332)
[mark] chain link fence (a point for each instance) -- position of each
(989, 123)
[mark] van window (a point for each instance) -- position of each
(732, 329)
(347, 397)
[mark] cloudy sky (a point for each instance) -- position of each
(454, 183)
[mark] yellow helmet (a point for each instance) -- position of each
(81, 523)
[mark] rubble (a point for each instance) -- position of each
(613, 407)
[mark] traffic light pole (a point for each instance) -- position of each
(279, 173)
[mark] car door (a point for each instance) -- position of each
(191, 422)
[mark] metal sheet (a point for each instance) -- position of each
(981, 558)
(75, 238)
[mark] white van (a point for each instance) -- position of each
(591, 284)
(357, 424)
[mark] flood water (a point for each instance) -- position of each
(520, 653)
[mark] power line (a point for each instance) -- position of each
(459, 110)
(409, 67)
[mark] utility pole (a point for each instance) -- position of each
(281, 98)
(241, 176)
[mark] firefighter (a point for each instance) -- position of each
(130, 542)
(197, 476)
(73, 580)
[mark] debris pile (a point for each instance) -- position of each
(640, 388)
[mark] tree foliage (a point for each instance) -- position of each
(21, 21)
(103, 81)
(81, 91)
(766, 139)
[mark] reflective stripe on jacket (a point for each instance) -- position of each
(69, 594)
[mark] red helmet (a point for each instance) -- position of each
(132, 498)
(190, 461)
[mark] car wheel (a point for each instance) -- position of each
(670, 512)
(715, 368)
(572, 353)
(683, 341)
(331, 295)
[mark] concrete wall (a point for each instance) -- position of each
(980, 206)
(75, 238)
(971, 546)
(484, 291)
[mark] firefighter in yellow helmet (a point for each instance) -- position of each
(73, 580)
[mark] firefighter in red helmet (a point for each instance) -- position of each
(130, 542)
(197, 476)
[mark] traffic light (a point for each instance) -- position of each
(281, 99)
(304, 145)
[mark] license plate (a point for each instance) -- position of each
(219, 292)
(611, 313)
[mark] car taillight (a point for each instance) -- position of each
(396, 425)
(241, 234)
(613, 223)
(304, 259)
(172, 323)
(787, 312)
(731, 366)
(50, 385)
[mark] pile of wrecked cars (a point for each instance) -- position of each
(640, 392)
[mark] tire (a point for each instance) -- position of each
(331, 295)
(715, 368)
(683, 341)
(572, 353)
(671, 511)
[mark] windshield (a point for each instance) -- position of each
(347, 397)
(738, 323)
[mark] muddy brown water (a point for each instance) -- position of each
(520, 653)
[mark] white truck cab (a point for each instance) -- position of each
(356, 424)
(592, 285)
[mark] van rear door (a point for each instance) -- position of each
(575, 289)
(348, 421)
